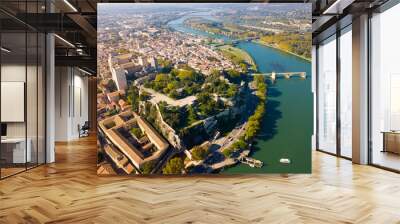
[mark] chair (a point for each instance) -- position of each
(84, 130)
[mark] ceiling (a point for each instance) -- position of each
(75, 22)
(331, 15)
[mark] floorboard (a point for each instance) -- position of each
(69, 191)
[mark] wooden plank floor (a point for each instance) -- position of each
(70, 192)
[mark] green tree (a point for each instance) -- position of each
(144, 96)
(166, 65)
(261, 87)
(161, 77)
(232, 90)
(174, 94)
(133, 97)
(199, 153)
(172, 85)
(204, 97)
(207, 108)
(233, 74)
(174, 72)
(243, 66)
(136, 132)
(186, 75)
(152, 116)
(192, 115)
(215, 72)
(239, 144)
(174, 166)
(147, 167)
(228, 152)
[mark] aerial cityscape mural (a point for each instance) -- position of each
(204, 88)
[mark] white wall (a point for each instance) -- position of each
(61, 113)
(33, 126)
(12, 73)
(71, 102)
(80, 112)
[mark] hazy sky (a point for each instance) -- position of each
(124, 7)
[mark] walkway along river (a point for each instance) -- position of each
(287, 125)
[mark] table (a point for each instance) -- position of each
(16, 153)
(391, 141)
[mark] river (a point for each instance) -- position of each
(287, 125)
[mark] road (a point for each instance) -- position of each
(232, 137)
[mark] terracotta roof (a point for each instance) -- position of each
(105, 169)
(111, 127)
(119, 159)
(153, 135)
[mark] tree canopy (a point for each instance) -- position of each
(254, 122)
(174, 166)
(147, 167)
(299, 44)
(178, 83)
(133, 97)
(199, 153)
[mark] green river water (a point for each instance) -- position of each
(288, 122)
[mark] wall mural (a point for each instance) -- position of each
(204, 88)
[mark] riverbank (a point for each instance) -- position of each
(238, 55)
(287, 124)
(254, 123)
(277, 48)
(217, 32)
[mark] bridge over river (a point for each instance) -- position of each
(287, 75)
